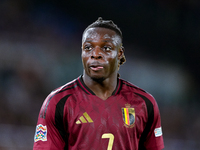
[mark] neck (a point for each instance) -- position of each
(103, 88)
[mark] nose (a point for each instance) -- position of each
(96, 53)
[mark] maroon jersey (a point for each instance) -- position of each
(73, 117)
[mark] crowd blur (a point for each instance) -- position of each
(40, 50)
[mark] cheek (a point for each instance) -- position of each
(84, 58)
(113, 59)
(113, 55)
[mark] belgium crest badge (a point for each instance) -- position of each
(128, 115)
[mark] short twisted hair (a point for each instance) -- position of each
(109, 24)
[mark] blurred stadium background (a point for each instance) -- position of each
(40, 49)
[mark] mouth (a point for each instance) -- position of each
(96, 67)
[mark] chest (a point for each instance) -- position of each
(117, 114)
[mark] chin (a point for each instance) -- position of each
(98, 78)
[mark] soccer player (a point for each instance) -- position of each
(99, 110)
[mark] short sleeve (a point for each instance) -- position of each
(47, 135)
(154, 138)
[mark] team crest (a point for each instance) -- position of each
(128, 115)
(40, 133)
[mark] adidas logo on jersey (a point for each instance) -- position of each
(84, 119)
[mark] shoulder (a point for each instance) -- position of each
(128, 86)
(131, 86)
(63, 90)
(53, 99)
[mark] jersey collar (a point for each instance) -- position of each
(89, 91)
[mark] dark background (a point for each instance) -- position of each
(40, 49)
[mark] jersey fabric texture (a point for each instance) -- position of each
(72, 117)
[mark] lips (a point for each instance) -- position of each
(96, 66)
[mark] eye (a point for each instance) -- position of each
(87, 47)
(107, 48)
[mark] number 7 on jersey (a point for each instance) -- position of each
(110, 136)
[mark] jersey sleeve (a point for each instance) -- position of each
(154, 138)
(47, 134)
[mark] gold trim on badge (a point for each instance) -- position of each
(128, 115)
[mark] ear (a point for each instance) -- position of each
(121, 52)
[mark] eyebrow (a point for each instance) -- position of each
(102, 41)
(107, 40)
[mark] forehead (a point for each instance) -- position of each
(98, 32)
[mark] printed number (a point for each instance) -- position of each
(111, 139)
